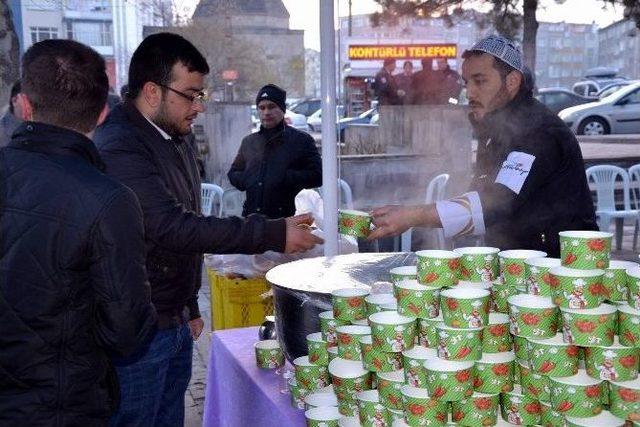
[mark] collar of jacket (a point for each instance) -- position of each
(141, 122)
(49, 139)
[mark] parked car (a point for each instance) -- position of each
(306, 106)
(591, 87)
(361, 119)
(613, 87)
(557, 99)
(315, 120)
(617, 113)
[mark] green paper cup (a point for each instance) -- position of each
(532, 316)
(348, 303)
(375, 360)
(496, 337)
(519, 409)
(478, 264)
(549, 417)
(613, 363)
(375, 302)
(323, 417)
(391, 331)
(421, 410)
(360, 322)
(629, 325)
(372, 413)
(389, 385)
(417, 300)
(449, 380)
(427, 335)
(269, 354)
(349, 341)
(520, 347)
(328, 325)
(407, 272)
(578, 289)
(332, 352)
(348, 407)
(348, 378)
(392, 306)
(500, 294)
(459, 344)
(615, 279)
(533, 385)
(413, 361)
(310, 376)
(493, 373)
(478, 410)
(591, 327)
(585, 250)
(537, 276)
(349, 422)
(512, 265)
(605, 418)
(465, 308)
(298, 394)
(438, 268)
(577, 396)
(624, 399)
(553, 357)
(633, 285)
(320, 399)
(317, 349)
(354, 223)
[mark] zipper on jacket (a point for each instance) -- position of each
(184, 171)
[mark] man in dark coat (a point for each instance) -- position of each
(385, 85)
(142, 144)
(73, 288)
(447, 82)
(529, 181)
(424, 84)
(276, 162)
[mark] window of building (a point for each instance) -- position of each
(91, 33)
(43, 33)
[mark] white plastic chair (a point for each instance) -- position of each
(605, 177)
(634, 187)
(208, 193)
(346, 196)
(435, 192)
(233, 201)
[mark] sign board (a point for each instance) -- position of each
(402, 51)
(230, 75)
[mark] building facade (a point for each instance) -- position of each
(619, 47)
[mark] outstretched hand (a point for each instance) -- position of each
(299, 238)
(392, 220)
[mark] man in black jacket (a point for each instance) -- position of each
(275, 163)
(73, 287)
(529, 181)
(142, 144)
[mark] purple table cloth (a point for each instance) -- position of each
(240, 394)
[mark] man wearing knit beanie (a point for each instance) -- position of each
(276, 162)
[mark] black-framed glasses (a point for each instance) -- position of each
(200, 97)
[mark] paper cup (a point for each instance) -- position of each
(578, 289)
(478, 410)
(500, 294)
(317, 348)
(354, 223)
(332, 352)
(372, 413)
(427, 335)
(533, 385)
(298, 394)
(629, 325)
(389, 385)
(360, 322)
(349, 422)
(496, 337)
(310, 376)
(494, 373)
(392, 331)
(348, 407)
(349, 341)
(420, 409)
(605, 418)
(478, 264)
(519, 409)
(549, 417)
(553, 357)
(532, 316)
(537, 277)
(269, 354)
(576, 396)
(375, 360)
(438, 268)
(633, 285)
(585, 250)
(323, 417)
(512, 265)
(590, 327)
(613, 363)
(417, 300)
(465, 308)
(407, 272)
(624, 399)
(459, 344)
(348, 303)
(375, 302)
(520, 347)
(319, 399)
(348, 378)
(328, 325)
(449, 380)
(615, 279)
(413, 361)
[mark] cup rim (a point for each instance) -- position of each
(633, 271)
(464, 293)
(353, 421)
(627, 309)
(332, 350)
(414, 392)
(327, 315)
(368, 396)
(633, 384)
(521, 254)
(366, 340)
(477, 250)
(354, 212)
(530, 301)
(437, 253)
(379, 299)
(441, 365)
(556, 340)
(579, 379)
(419, 352)
(604, 418)
(387, 318)
(497, 318)
(322, 395)
(585, 234)
(360, 322)
(323, 413)
(315, 337)
(451, 328)
(412, 270)
(390, 306)
(267, 345)
(303, 361)
(543, 262)
(465, 284)
(618, 264)
(393, 376)
(563, 271)
(354, 368)
(439, 318)
(350, 292)
(354, 330)
(412, 284)
(502, 357)
(601, 309)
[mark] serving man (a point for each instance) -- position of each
(529, 180)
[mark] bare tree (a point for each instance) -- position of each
(9, 52)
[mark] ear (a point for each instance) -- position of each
(152, 94)
(25, 105)
(103, 115)
(514, 81)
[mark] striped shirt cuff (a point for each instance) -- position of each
(462, 215)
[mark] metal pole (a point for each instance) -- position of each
(329, 143)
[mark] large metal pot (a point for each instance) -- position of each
(302, 289)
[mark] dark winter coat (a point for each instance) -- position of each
(386, 88)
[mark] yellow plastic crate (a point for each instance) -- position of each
(236, 303)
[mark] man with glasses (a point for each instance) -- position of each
(142, 144)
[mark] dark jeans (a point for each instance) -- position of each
(153, 383)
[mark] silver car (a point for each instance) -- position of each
(617, 113)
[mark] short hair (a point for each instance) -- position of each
(407, 63)
(502, 67)
(388, 61)
(15, 90)
(153, 60)
(66, 83)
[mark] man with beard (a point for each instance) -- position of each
(142, 144)
(529, 181)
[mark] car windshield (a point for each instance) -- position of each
(621, 92)
(609, 91)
